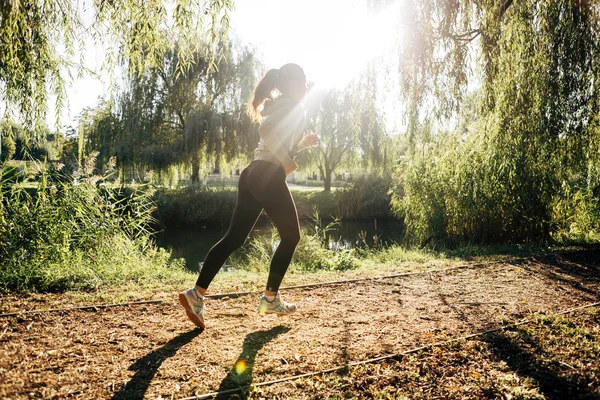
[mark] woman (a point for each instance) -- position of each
(262, 186)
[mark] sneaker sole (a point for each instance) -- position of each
(192, 317)
(276, 313)
(272, 313)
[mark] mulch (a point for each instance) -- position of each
(153, 351)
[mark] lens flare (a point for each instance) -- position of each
(240, 367)
(263, 307)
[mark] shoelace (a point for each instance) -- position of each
(198, 303)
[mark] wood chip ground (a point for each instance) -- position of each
(153, 351)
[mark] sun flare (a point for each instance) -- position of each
(332, 40)
(351, 44)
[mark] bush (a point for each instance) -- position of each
(9, 148)
(456, 191)
(72, 235)
(576, 216)
(194, 206)
(313, 255)
(367, 197)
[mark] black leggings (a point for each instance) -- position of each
(261, 186)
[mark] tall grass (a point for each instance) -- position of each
(69, 233)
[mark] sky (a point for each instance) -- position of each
(331, 39)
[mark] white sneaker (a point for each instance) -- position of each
(194, 306)
(277, 306)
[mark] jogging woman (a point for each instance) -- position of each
(262, 186)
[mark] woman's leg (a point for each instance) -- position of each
(279, 205)
(246, 212)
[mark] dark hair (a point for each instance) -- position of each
(274, 79)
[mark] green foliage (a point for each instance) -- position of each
(9, 148)
(576, 216)
(312, 255)
(10, 174)
(313, 252)
(68, 233)
(194, 206)
(459, 192)
(474, 192)
(169, 116)
(534, 126)
(366, 197)
(40, 39)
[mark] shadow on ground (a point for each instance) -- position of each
(147, 366)
(578, 270)
(237, 384)
(525, 356)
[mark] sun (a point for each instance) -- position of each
(333, 40)
(355, 39)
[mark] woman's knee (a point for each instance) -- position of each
(291, 236)
(233, 241)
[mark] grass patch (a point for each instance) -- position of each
(71, 234)
(153, 275)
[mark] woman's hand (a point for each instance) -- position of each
(310, 140)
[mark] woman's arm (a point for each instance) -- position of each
(308, 141)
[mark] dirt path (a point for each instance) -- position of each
(152, 351)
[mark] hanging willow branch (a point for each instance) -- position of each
(40, 40)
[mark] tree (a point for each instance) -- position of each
(372, 136)
(166, 117)
(537, 113)
(350, 128)
(335, 119)
(40, 41)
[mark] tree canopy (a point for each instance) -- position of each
(534, 139)
(44, 42)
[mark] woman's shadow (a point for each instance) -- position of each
(145, 368)
(239, 379)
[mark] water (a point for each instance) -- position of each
(193, 244)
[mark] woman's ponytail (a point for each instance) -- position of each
(263, 91)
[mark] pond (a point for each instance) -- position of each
(193, 244)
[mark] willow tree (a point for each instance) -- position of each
(539, 68)
(44, 41)
(169, 117)
(372, 139)
(334, 115)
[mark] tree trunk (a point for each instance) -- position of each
(327, 180)
(195, 168)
